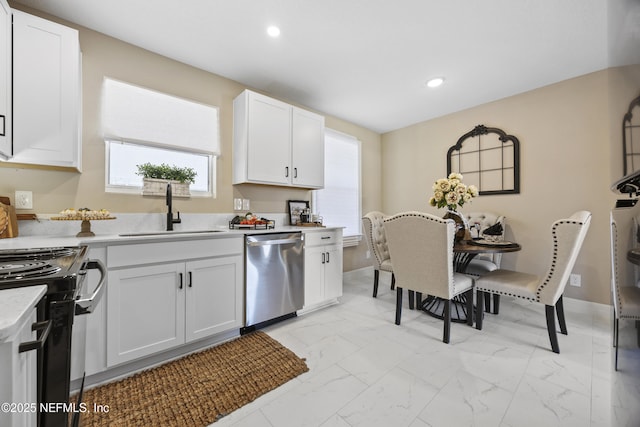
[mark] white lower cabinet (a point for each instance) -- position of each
(156, 307)
(322, 267)
(18, 377)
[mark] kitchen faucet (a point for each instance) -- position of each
(170, 219)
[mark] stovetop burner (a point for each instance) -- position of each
(21, 270)
(57, 267)
(39, 253)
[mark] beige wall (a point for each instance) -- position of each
(54, 190)
(570, 136)
(570, 154)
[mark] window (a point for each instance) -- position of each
(142, 125)
(339, 201)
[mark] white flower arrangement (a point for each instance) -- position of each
(451, 192)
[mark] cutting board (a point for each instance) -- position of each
(8, 211)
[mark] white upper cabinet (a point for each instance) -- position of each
(46, 92)
(276, 143)
(5, 80)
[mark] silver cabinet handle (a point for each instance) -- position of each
(295, 172)
(327, 257)
(286, 171)
(323, 256)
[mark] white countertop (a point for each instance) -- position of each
(15, 307)
(25, 242)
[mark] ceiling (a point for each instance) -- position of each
(365, 61)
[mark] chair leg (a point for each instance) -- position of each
(487, 302)
(376, 278)
(496, 303)
(469, 295)
(393, 281)
(551, 327)
(411, 300)
(419, 300)
(398, 305)
(560, 313)
(479, 312)
(447, 321)
(615, 334)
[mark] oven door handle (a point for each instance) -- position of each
(39, 343)
(86, 305)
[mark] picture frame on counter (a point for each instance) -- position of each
(296, 207)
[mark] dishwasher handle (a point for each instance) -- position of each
(254, 242)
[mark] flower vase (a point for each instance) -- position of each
(462, 227)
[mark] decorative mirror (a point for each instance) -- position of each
(631, 138)
(489, 159)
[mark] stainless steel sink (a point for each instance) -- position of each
(168, 233)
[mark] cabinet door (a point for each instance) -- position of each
(145, 311)
(5, 80)
(269, 140)
(333, 272)
(307, 135)
(46, 91)
(214, 296)
(18, 376)
(313, 275)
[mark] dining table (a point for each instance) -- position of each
(463, 252)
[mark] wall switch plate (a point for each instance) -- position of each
(245, 204)
(575, 280)
(24, 200)
(237, 204)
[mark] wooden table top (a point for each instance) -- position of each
(468, 247)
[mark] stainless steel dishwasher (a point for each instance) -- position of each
(274, 277)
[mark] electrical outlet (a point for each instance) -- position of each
(237, 204)
(245, 204)
(24, 200)
(575, 280)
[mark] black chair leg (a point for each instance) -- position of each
(411, 300)
(447, 321)
(376, 278)
(469, 295)
(496, 303)
(479, 313)
(551, 327)
(560, 312)
(393, 281)
(398, 305)
(487, 302)
(419, 300)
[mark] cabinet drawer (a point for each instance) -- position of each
(151, 253)
(326, 237)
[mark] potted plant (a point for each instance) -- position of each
(156, 177)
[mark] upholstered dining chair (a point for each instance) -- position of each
(626, 296)
(567, 236)
(421, 249)
(484, 263)
(373, 228)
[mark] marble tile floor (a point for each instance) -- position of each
(367, 371)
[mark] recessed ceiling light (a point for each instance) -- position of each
(273, 31)
(435, 82)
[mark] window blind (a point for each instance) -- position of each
(137, 114)
(339, 201)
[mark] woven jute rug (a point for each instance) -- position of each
(196, 390)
